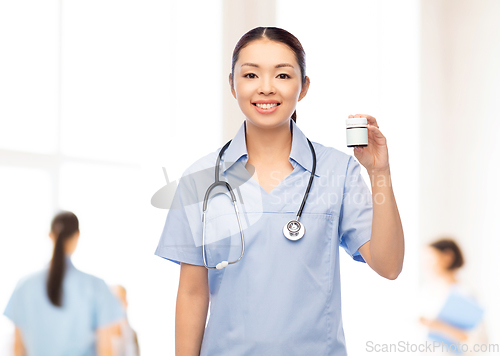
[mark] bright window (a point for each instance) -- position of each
(97, 97)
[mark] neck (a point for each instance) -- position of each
(268, 144)
(449, 277)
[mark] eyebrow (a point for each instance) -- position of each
(281, 65)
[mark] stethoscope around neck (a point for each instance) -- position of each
(293, 230)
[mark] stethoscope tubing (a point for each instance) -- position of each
(218, 182)
(313, 152)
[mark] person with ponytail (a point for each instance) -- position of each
(60, 310)
(276, 291)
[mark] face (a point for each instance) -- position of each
(258, 81)
(437, 261)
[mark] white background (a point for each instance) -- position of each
(97, 96)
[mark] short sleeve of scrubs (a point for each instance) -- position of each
(181, 237)
(14, 309)
(355, 222)
(108, 309)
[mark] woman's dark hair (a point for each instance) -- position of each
(64, 225)
(446, 245)
(274, 34)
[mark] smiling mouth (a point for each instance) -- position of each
(265, 106)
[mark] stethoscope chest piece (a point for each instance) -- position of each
(294, 230)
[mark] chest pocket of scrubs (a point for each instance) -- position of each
(315, 256)
(320, 218)
(287, 284)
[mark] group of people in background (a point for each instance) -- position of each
(61, 310)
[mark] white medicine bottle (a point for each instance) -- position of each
(357, 132)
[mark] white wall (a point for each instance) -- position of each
(427, 70)
(460, 90)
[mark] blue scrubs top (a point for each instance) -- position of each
(47, 330)
(282, 297)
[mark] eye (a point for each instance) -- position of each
(286, 76)
(247, 75)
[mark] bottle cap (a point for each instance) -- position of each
(356, 122)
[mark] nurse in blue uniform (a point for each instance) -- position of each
(61, 311)
(282, 296)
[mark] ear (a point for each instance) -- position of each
(305, 88)
(231, 84)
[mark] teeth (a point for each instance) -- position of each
(266, 106)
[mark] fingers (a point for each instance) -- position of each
(375, 130)
(371, 120)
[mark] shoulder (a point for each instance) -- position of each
(330, 153)
(201, 172)
(25, 297)
(30, 281)
(88, 285)
(93, 289)
(203, 163)
(89, 279)
(332, 160)
(466, 290)
(28, 286)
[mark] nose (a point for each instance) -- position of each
(266, 86)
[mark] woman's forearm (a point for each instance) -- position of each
(18, 343)
(387, 239)
(450, 330)
(190, 319)
(104, 337)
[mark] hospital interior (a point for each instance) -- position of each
(104, 103)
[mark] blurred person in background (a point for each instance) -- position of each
(61, 310)
(126, 343)
(453, 315)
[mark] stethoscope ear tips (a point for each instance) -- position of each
(222, 265)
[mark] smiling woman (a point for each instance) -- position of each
(268, 84)
(268, 46)
(283, 297)
(265, 85)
